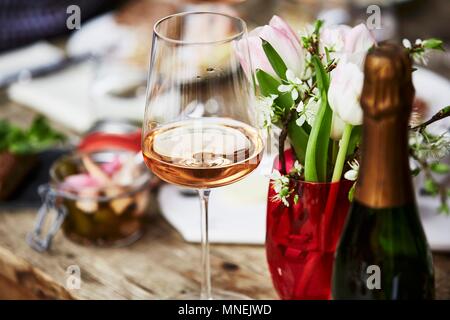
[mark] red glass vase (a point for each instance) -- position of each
(301, 239)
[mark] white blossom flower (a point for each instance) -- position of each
(279, 197)
(352, 174)
(289, 88)
(415, 138)
(290, 76)
(298, 168)
(311, 110)
(266, 110)
(430, 147)
(419, 51)
(280, 184)
(302, 117)
(279, 180)
(307, 112)
(293, 85)
(407, 44)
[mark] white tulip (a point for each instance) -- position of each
(345, 91)
(337, 127)
(351, 43)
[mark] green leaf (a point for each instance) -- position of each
(433, 43)
(440, 168)
(4, 129)
(19, 141)
(296, 199)
(306, 41)
(269, 85)
(317, 26)
(355, 139)
(275, 60)
(415, 172)
(299, 139)
(444, 208)
(317, 148)
(351, 192)
(284, 192)
(430, 187)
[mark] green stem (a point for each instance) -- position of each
(334, 151)
(316, 155)
(342, 153)
(310, 156)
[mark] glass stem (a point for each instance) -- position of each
(206, 267)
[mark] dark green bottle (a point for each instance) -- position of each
(383, 252)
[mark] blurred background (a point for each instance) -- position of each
(98, 69)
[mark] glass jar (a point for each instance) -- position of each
(112, 217)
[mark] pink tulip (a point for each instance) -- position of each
(283, 40)
(253, 46)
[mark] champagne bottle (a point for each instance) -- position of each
(383, 252)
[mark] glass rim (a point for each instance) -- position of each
(182, 14)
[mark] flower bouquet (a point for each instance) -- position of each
(309, 86)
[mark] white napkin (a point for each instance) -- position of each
(437, 226)
(62, 97)
(68, 96)
(22, 59)
(237, 213)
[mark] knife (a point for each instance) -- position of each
(43, 70)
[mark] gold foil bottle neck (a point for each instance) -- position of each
(388, 92)
(388, 88)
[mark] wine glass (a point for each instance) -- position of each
(200, 126)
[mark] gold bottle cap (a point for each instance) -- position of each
(388, 92)
(388, 87)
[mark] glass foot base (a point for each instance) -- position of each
(217, 294)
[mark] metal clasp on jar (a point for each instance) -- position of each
(38, 239)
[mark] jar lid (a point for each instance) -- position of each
(111, 134)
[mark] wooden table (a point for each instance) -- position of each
(158, 266)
